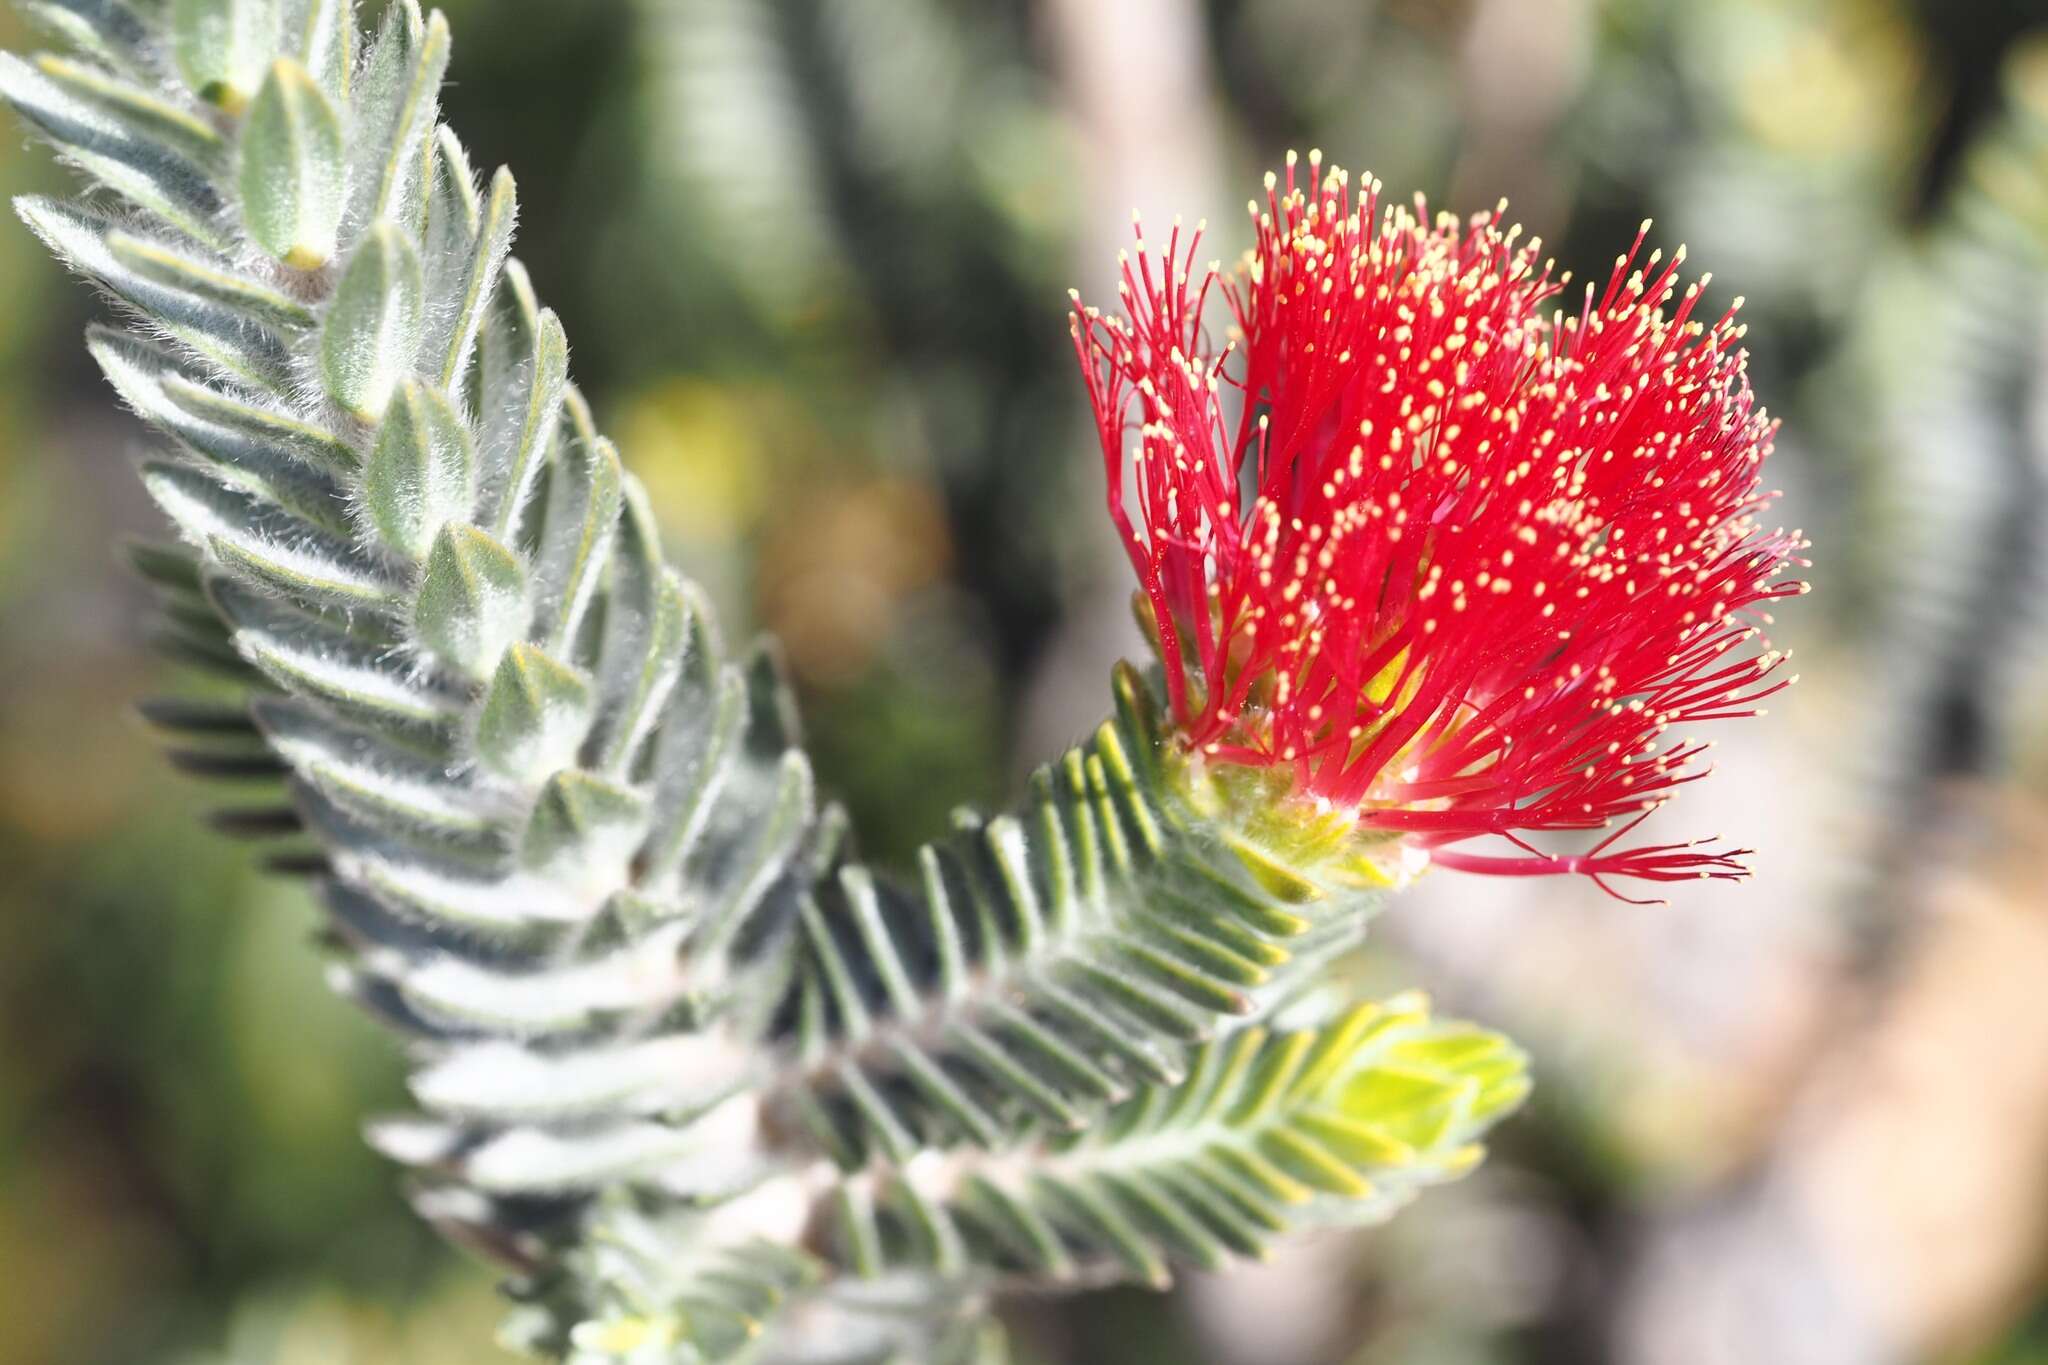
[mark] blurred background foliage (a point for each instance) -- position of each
(813, 254)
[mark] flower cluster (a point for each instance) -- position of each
(1456, 559)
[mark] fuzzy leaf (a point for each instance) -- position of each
(646, 622)
(519, 442)
(472, 601)
(558, 1000)
(504, 359)
(454, 213)
(109, 30)
(505, 1082)
(395, 102)
(321, 659)
(292, 168)
(371, 332)
(583, 513)
(268, 548)
(694, 765)
(421, 473)
(209, 280)
(107, 140)
(326, 44)
(583, 821)
(221, 47)
(262, 424)
(146, 114)
(142, 374)
(680, 1160)
(534, 715)
(406, 798)
(236, 342)
(472, 275)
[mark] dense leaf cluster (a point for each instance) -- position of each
(705, 1083)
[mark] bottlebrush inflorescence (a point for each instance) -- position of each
(1437, 551)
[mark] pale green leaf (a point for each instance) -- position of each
(327, 43)
(221, 47)
(371, 332)
(105, 141)
(292, 168)
(395, 103)
(421, 473)
(534, 715)
(213, 280)
(472, 600)
(583, 822)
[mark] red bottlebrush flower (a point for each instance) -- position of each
(1455, 558)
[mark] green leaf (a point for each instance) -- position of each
(764, 851)
(421, 474)
(1266, 1133)
(518, 444)
(646, 625)
(260, 543)
(534, 716)
(212, 281)
(454, 212)
(504, 356)
(1073, 948)
(472, 600)
(493, 241)
(108, 141)
(395, 102)
(292, 168)
(392, 795)
(694, 763)
(582, 516)
(470, 241)
(263, 424)
(143, 375)
(145, 113)
(506, 1083)
(109, 30)
(580, 817)
(327, 43)
(221, 47)
(371, 331)
(315, 657)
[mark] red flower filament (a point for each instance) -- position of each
(1456, 558)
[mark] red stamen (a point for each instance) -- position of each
(1457, 562)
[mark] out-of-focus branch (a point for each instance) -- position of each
(1866, 1237)
(1858, 1236)
(1134, 77)
(1522, 63)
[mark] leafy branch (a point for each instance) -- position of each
(679, 1058)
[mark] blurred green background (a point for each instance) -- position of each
(813, 256)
